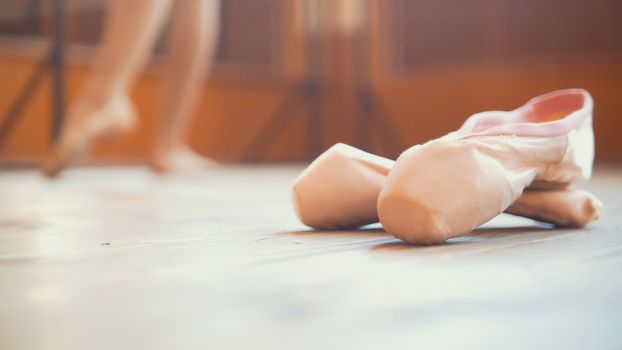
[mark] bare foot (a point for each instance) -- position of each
(86, 125)
(179, 159)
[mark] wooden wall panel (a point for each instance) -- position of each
(248, 32)
(228, 119)
(433, 32)
(433, 63)
(437, 62)
(254, 67)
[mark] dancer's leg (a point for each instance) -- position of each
(104, 107)
(190, 52)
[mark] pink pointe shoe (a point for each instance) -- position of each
(449, 186)
(339, 190)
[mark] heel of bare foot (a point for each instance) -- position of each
(88, 124)
(181, 159)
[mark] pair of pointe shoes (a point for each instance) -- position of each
(521, 162)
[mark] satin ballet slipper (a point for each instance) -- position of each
(449, 186)
(339, 189)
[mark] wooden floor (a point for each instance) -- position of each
(120, 258)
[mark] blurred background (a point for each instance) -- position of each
(293, 77)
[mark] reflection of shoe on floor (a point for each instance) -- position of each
(449, 186)
(87, 125)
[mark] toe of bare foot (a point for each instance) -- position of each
(71, 146)
(52, 166)
(180, 160)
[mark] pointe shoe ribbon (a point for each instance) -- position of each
(449, 186)
(340, 189)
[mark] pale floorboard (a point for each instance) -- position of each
(121, 258)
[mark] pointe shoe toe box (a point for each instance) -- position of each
(411, 220)
(442, 190)
(338, 189)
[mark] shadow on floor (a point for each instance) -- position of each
(480, 235)
(375, 231)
